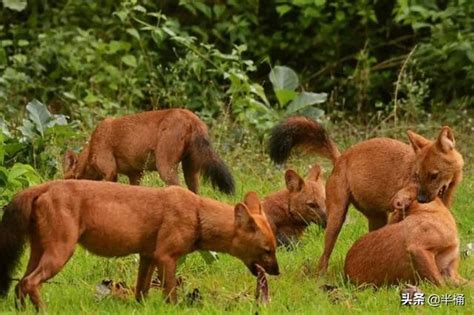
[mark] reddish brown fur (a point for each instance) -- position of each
(111, 219)
(156, 140)
(424, 245)
(369, 174)
(291, 210)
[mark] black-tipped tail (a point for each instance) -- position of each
(13, 229)
(300, 132)
(212, 166)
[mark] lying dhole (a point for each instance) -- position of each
(423, 245)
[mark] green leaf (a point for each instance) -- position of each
(39, 115)
(283, 78)
(130, 61)
(6, 42)
(23, 43)
(258, 90)
(3, 176)
(17, 5)
(283, 9)
(4, 128)
(305, 99)
(312, 112)
(134, 33)
(139, 8)
(18, 170)
(285, 96)
(28, 129)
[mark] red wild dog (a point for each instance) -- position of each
(291, 210)
(156, 140)
(424, 245)
(111, 219)
(370, 173)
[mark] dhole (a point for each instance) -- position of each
(291, 210)
(370, 173)
(424, 245)
(111, 219)
(156, 140)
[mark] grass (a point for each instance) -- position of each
(227, 286)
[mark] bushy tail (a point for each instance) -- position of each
(300, 132)
(13, 235)
(212, 167)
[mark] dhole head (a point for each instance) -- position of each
(438, 165)
(307, 200)
(254, 242)
(77, 167)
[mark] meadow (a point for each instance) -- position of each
(361, 68)
(226, 286)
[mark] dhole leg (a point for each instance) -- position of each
(168, 153)
(50, 263)
(35, 256)
(167, 273)
(145, 270)
(425, 265)
(191, 175)
(451, 271)
(337, 203)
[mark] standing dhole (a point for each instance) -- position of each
(370, 173)
(156, 140)
(424, 245)
(111, 219)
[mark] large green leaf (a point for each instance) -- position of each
(39, 115)
(306, 99)
(39, 119)
(17, 5)
(283, 78)
(285, 96)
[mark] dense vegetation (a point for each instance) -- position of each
(363, 68)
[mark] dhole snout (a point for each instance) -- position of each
(254, 242)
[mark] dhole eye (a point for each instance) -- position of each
(312, 205)
(268, 251)
(434, 175)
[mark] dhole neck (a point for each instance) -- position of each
(276, 209)
(217, 229)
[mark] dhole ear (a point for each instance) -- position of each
(294, 182)
(417, 141)
(314, 173)
(252, 203)
(70, 160)
(243, 218)
(446, 140)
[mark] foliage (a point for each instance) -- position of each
(285, 82)
(14, 178)
(89, 60)
(39, 141)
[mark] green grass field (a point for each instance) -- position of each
(226, 286)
